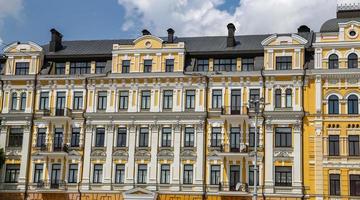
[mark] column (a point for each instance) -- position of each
(318, 93)
(3, 134)
(108, 162)
(129, 178)
(87, 153)
(199, 168)
(24, 157)
(154, 134)
(297, 175)
(177, 131)
(269, 151)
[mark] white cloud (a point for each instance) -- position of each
(9, 8)
(203, 17)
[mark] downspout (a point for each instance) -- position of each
(263, 117)
(204, 137)
(302, 127)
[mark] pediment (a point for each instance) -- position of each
(139, 193)
(277, 40)
(22, 47)
(148, 42)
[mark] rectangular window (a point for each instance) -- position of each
(98, 172)
(283, 63)
(169, 65)
(44, 101)
(226, 65)
(142, 174)
(73, 173)
(38, 173)
(102, 100)
(12, 173)
(188, 174)
(354, 185)
(235, 102)
(123, 100)
(58, 139)
(144, 137)
(80, 67)
(190, 99)
(335, 184)
(254, 96)
(202, 65)
(75, 137)
(121, 137)
(165, 174)
(166, 137)
(22, 68)
(189, 137)
(78, 101)
(334, 145)
(59, 68)
(251, 175)
(235, 139)
(252, 137)
(354, 145)
(216, 137)
(100, 67)
(125, 67)
(283, 176)
(100, 137)
(15, 137)
(119, 173)
(41, 136)
(55, 175)
(216, 99)
(215, 174)
(145, 100)
(168, 99)
(283, 137)
(247, 64)
(147, 66)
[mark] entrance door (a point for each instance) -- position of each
(235, 102)
(234, 176)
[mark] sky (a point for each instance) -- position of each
(31, 20)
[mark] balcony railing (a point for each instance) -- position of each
(56, 112)
(234, 110)
(58, 184)
(241, 187)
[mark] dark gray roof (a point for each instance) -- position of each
(332, 25)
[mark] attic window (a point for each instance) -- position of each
(352, 33)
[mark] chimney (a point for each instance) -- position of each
(145, 32)
(348, 9)
(56, 41)
(170, 32)
(304, 29)
(231, 35)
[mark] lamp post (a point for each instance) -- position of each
(256, 104)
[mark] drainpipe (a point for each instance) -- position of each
(263, 117)
(302, 127)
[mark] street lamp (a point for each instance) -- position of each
(256, 105)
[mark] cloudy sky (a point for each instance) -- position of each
(22, 20)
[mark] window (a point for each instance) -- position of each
(144, 137)
(142, 174)
(41, 136)
(216, 99)
(121, 137)
(59, 68)
(283, 137)
(165, 174)
(333, 145)
(235, 139)
(169, 65)
(75, 137)
(215, 174)
(22, 68)
(145, 100)
(283, 176)
(78, 101)
(55, 175)
(189, 137)
(333, 61)
(352, 61)
(335, 184)
(12, 173)
(202, 65)
(190, 99)
(147, 66)
(119, 173)
(188, 174)
(23, 101)
(247, 64)
(14, 101)
(166, 137)
(80, 67)
(73, 173)
(216, 137)
(288, 98)
(38, 173)
(168, 99)
(278, 98)
(100, 137)
(98, 171)
(123, 100)
(354, 145)
(100, 67)
(125, 68)
(102, 100)
(58, 139)
(227, 65)
(252, 137)
(333, 104)
(354, 185)
(251, 175)
(283, 63)
(15, 137)
(353, 104)
(254, 95)
(44, 101)
(235, 102)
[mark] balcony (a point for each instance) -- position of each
(55, 113)
(233, 152)
(47, 150)
(226, 188)
(234, 110)
(50, 185)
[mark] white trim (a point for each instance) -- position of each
(144, 37)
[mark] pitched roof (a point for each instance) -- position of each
(332, 25)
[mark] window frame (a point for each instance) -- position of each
(281, 134)
(167, 99)
(248, 64)
(169, 65)
(142, 177)
(188, 174)
(165, 174)
(216, 99)
(225, 64)
(102, 100)
(73, 173)
(121, 137)
(147, 66)
(143, 137)
(123, 100)
(353, 104)
(15, 138)
(190, 99)
(145, 100)
(119, 174)
(334, 184)
(98, 173)
(353, 61)
(125, 66)
(284, 62)
(333, 61)
(22, 68)
(215, 174)
(100, 137)
(333, 105)
(334, 145)
(283, 172)
(202, 65)
(189, 137)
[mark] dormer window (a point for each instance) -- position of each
(100, 67)
(59, 68)
(202, 65)
(225, 65)
(283, 63)
(80, 68)
(22, 68)
(247, 64)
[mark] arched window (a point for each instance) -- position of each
(22, 101)
(14, 101)
(352, 61)
(333, 61)
(288, 98)
(278, 98)
(333, 104)
(353, 104)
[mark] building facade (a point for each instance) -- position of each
(171, 117)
